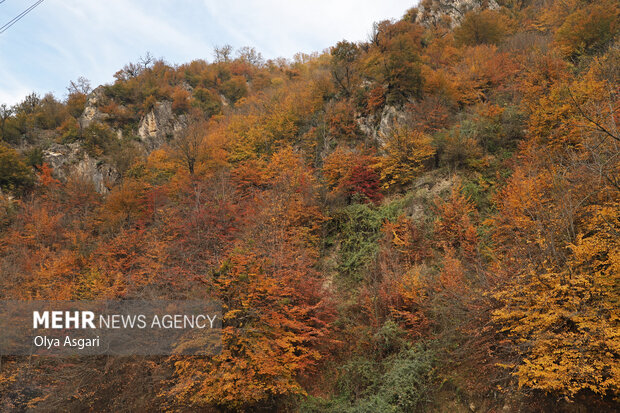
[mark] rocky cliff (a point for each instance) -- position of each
(160, 125)
(71, 160)
(450, 12)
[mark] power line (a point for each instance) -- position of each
(19, 16)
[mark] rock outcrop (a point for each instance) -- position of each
(450, 12)
(377, 129)
(91, 110)
(160, 125)
(71, 161)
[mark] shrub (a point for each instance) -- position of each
(484, 27)
(98, 139)
(207, 101)
(406, 151)
(588, 30)
(235, 88)
(180, 100)
(359, 228)
(399, 383)
(456, 149)
(14, 174)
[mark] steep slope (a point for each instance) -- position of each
(425, 221)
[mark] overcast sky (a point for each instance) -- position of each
(61, 40)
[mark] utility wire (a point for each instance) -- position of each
(19, 16)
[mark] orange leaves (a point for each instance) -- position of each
(375, 100)
(336, 166)
(471, 78)
(454, 228)
(235, 209)
(125, 204)
(452, 279)
(275, 320)
(341, 121)
(557, 251)
(349, 173)
(180, 100)
(45, 176)
(276, 311)
(481, 68)
(564, 318)
(588, 29)
(538, 78)
(430, 114)
(408, 239)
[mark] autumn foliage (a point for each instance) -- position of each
(428, 220)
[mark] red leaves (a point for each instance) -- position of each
(276, 311)
(364, 181)
(350, 174)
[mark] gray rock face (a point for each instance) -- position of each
(91, 110)
(434, 12)
(160, 125)
(71, 161)
(390, 116)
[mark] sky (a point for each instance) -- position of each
(61, 40)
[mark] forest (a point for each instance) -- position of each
(428, 220)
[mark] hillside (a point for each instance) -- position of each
(425, 221)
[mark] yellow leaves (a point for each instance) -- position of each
(337, 165)
(567, 319)
(264, 123)
(557, 368)
(411, 286)
(405, 154)
(572, 114)
(588, 29)
(557, 234)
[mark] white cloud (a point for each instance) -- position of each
(281, 28)
(64, 39)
